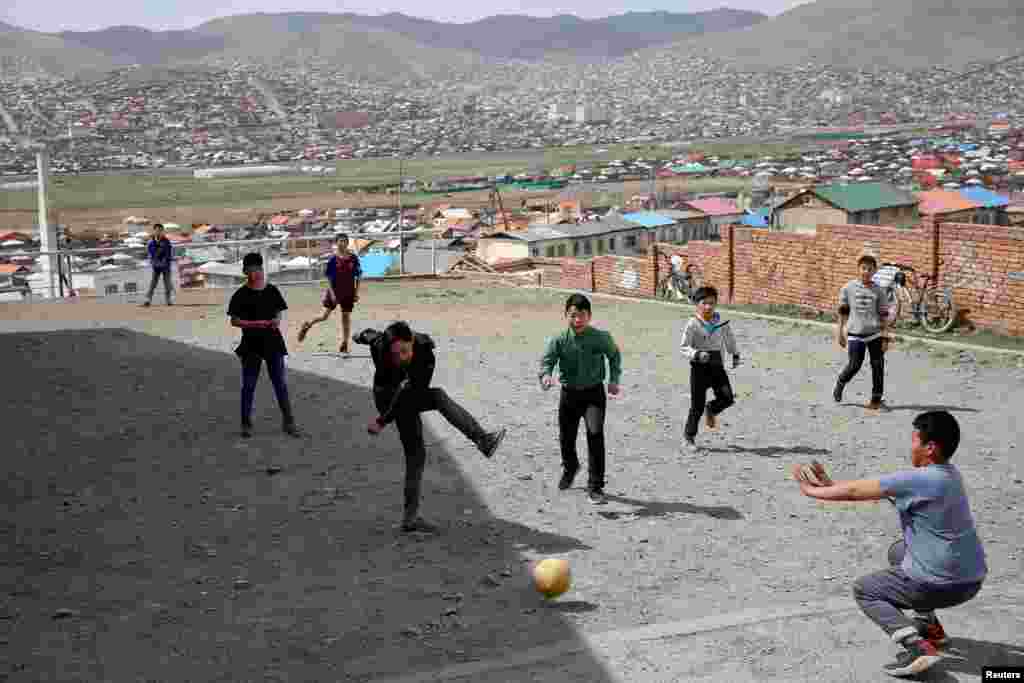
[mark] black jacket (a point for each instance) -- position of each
(393, 380)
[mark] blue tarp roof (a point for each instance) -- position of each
(648, 219)
(985, 197)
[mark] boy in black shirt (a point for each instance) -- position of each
(256, 308)
(404, 363)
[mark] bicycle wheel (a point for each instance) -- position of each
(898, 301)
(938, 313)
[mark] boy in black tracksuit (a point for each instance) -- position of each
(705, 342)
(404, 363)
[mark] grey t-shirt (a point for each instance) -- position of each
(942, 543)
(868, 306)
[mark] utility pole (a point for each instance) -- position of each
(401, 238)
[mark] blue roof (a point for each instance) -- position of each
(648, 219)
(756, 219)
(985, 197)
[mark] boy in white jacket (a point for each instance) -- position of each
(705, 342)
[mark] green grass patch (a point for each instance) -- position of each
(113, 191)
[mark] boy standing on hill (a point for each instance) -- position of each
(580, 353)
(344, 272)
(256, 308)
(863, 318)
(705, 342)
(161, 253)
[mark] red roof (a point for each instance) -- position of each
(716, 206)
(942, 201)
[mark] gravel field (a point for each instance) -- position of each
(183, 553)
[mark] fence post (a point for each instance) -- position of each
(433, 253)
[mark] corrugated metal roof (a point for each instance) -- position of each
(648, 219)
(716, 206)
(943, 201)
(864, 196)
(681, 215)
(985, 197)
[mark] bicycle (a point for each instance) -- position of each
(676, 285)
(925, 302)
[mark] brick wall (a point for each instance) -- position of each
(756, 266)
(624, 275)
(576, 275)
(977, 261)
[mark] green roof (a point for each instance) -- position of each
(864, 196)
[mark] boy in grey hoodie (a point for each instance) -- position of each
(706, 340)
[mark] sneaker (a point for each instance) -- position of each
(917, 657)
(146, 304)
(597, 497)
(931, 630)
(837, 393)
(567, 476)
(878, 405)
(709, 419)
(690, 447)
(246, 430)
(291, 429)
(417, 526)
(491, 441)
(343, 348)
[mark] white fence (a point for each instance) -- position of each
(123, 271)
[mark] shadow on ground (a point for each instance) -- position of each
(144, 540)
(771, 451)
(926, 408)
(968, 656)
(650, 508)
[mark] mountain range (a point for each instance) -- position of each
(386, 44)
(863, 34)
(868, 34)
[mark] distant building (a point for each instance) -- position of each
(856, 203)
(588, 113)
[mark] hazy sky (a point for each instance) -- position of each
(59, 15)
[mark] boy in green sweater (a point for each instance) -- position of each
(580, 353)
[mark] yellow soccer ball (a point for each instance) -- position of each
(551, 577)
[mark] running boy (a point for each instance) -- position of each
(580, 353)
(705, 342)
(404, 366)
(940, 562)
(863, 318)
(344, 272)
(256, 308)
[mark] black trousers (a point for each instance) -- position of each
(704, 376)
(590, 405)
(856, 349)
(410, 431)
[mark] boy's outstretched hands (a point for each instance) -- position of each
(613, 389)
(813, 474)
(546, 382)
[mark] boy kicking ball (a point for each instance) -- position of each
(940, 562)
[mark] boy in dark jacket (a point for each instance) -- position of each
(161, 253)
(404, 366)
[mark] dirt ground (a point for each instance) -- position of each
(183, 214)
(145, 541)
